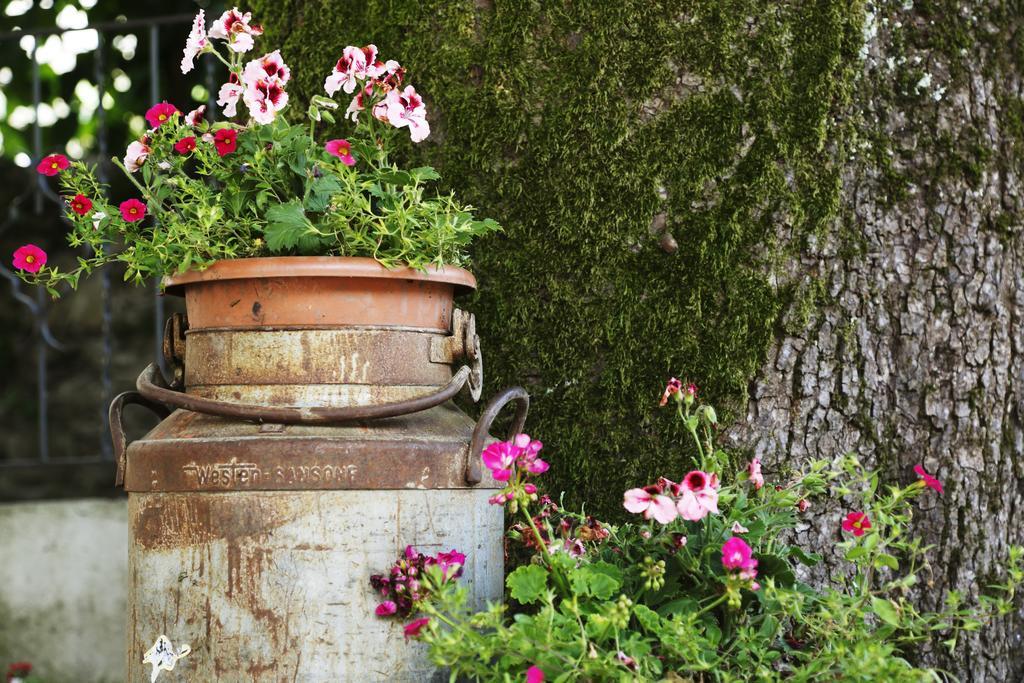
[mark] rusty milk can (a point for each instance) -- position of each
(308, 436)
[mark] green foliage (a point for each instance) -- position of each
(658, 602)
(576, 125)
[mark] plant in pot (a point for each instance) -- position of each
(256, 219)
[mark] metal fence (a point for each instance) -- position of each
(38, 200)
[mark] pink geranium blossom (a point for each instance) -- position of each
(736, 554)
(671, 389)
(415, 627)
(527, 458)
(386, 608)
(856, 523)
(499, 458)
(53, 164)
(698, 495)
(652, 502)
(269, 66)
(136, 155)
(195, 43)
(534, 674)
(350, 69)
(264, 97)
(29, 258)
(406, 108)
(929, 481)
(229, 93)
(341, 149)
(754, 469)
(161, 113)
(234, 27)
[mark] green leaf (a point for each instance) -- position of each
(804, 558)
(425, 173)
(856, 552)
(647, 617)
(889, 561)
(601, 580)
(777, 568)
(320, 191)
(527, 583)
(395, 178)
(886, 611)
(287, 225)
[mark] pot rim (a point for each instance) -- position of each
(315, 266)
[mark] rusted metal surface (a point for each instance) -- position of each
(273, 586)
(174, 349)
(481, 433)
(117, 433)
(318, 291)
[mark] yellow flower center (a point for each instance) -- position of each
(162, 117)
(30, 259)
(55, 165)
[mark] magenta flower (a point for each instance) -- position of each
(450, 563)
(29, 258)
(754, 468)
(53, 164)
(234, 27)
(225, 141)
(264, 97)
(195, 43)
(698, 495)
(856, 523)
(929, 481)
(652, 502)
(736, 554)
(499, 458)
(132, 210)
(415, 627)
(671, 389)
(342, 149)
(386, 608)
(161, 113)
(406, 108)
(534, 674)
(527, 458)
(81, 204)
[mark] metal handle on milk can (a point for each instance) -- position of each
(117, 435)
(481, 433)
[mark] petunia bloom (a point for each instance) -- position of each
(160, 114)
(136, 155)
(29, 258)
(929, 481)
(534, 674)
(185, 145)
(736, 554)
(234, 27)
(341, 149)
(53, 164)
(406, 108)
(856, 523)
(195, 43)
(80, 204)
(225, 140)
(132, 210)
(652, 502)
(698, 495)
(415, 627)
(671, 389)
(754, 469)
(386, 608)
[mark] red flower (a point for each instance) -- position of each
(53, 164)
(29, 258)
(386, 608)
(225, 140)
(929, 481)
(341, 149)
(159, 114)
(185, 145)
(19, 670)
(81, 204)
(132, 210)
(413, 628)
(856, 523)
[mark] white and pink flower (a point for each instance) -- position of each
(264, 97)
(698, 495)
(269, 66)
(652, 502)
(236, 29)
(406, 108)
(195, 44)
(136, 155)
(754, 469)
(195, 116)
(229, 94)
(355, 64)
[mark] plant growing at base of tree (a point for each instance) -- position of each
(262, 186)
(707, 586)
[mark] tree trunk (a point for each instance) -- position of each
(914, 352)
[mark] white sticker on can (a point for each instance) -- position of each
(163, 656)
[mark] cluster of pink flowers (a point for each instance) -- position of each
(738, 557)
(692, 499)
(359, 67)
(514, 461)
(683, 393)
(405, 585)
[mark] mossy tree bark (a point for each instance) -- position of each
(811, 208)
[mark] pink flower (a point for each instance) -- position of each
(451, 563)
(856, 523)
(651, 502)
(754, 468)
(736, 554)
(626, 660)
(228, 95)
(234, 27)
(29, 258)
(803, 504)
(264, 97)
(225, 140)
(356, 105)
(929, 481)
(350, 68)
(386, 608)
(689, 393)
(698, 495)
(406, 108)
(136, 155)
(160, 114)
(738, 528)
(195, 43)
(185, 145)
(195, 116)
(81, 204)
(534, 674)
(671, 389)
(269, 66)
(415, 627)
(132, 210)
(527, 458)
(341, 149)
(53, 164)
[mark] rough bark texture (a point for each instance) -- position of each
(914, 351)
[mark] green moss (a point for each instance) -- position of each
(563, 121)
